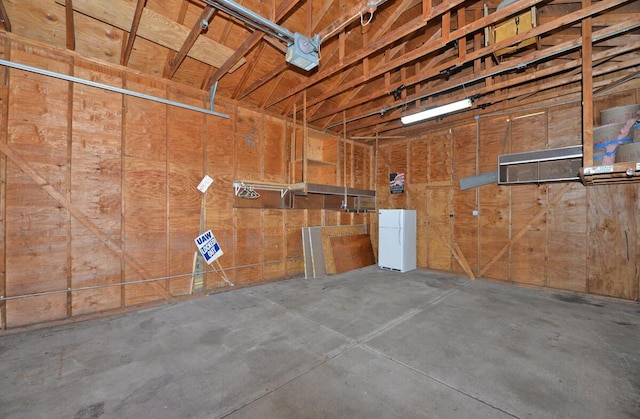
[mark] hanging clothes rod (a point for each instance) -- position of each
(127, 92)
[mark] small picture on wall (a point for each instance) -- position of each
(396, 183)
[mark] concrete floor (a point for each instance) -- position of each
(366, 344)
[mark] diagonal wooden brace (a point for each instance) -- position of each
(80, 216)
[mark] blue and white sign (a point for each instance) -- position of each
(208, 247)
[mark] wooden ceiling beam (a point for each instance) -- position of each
(264, 79)
(250, 65)
(379, 34)
(4, 17)
(124, 58)
(406, 29)
(70, 27)
(153, 27)
(182, 14)
(532, 78)
(435, 44)
(281, 12)
(486, 51)
(355, 82)
(196, 30)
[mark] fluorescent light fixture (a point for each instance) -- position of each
(437, 111)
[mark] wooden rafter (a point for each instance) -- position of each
(4, 17)
(282, 10)
(247, 72)
(528, 78)
(436, 44)
(379, 34)
(124, 59)
(264, 79)
(486, 51)
(70, 30)
(172, 54)
(406, 29)
(196, 30)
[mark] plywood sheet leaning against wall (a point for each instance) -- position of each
(352, 252)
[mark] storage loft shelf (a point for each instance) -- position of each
(627, 172)
(357, 200)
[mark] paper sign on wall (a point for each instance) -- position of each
(208, 247)
(205, 183)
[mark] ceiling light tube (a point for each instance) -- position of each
(437, 111)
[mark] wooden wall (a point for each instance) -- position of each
(99, 188)
(588, 241)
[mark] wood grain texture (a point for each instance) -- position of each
(613, 241)
(339, 231)
(351, 252)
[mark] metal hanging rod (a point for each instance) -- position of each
(127, 92)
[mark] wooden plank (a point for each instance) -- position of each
(438, 211)
(587, 88)
(145, 186)
(465, 228)
(529, 224)
(528, 255)
(96, 185)
(185, 152)
(248, 145)
(155, 28)
(352, 252)
(338, 231)
(275, 152)
(440, 154)
(36, 225)
(24, 166)
(613, 244)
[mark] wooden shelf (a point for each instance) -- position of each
(314, 162)
(627, 172)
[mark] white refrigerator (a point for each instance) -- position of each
(397, 239)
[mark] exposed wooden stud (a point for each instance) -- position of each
(250, 65)
(82, 218)
(282, 10)
(4, 17)
(180, 20)
(445, 25)
(70, 30)
(587, 90)
(526, 228)
(124, 59)
(373, 47)
(196, 30)
(462, 42)
(154, 27)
